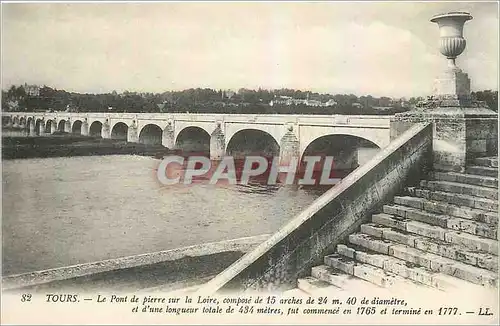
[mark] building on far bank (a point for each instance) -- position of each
(31, 90)
(288, 100)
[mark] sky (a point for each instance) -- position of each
(363, 48)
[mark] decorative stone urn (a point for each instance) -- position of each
(451, 28)
(452, 87)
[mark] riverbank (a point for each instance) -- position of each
(65, 145)
(166, 270)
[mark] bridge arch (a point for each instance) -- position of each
(307, 136)
(151, 134)
(29, 122)
(348, 151)
(95, 129)
(119, 131)
(6, 120)
(76, 128)
(39, 126)
(49, 125)
(60, 125)
(193, 139)
(252, 142)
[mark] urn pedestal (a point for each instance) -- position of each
(452, 88)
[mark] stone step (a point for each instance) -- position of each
(341, 280)
(460, 188)
(470, 179)
(448, 209)
(427, 260)
(482, 170)
(311, 285)
(468, 241)
(443, 221)
(404, 269)
(368, 273)
(454, 198)
(435, 246)
(487, 161)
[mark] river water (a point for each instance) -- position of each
(70, 210)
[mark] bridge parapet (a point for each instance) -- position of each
(360, 120)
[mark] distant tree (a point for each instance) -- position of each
(488, 96)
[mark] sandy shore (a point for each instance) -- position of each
(63, 145)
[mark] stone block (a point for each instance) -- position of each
(472, 242)
(487, 231)
(468, 274)
(373, 229)
(465, 212)
(423, 193)
(464, 256)
(399, 237)
(488, 217)
(461, 225)
(426, 230)
(341, 263)
(395, 210)
(396, 266)
(374, 275)
(370, 242)
(440, 264)
(421, 275)
(414, 202)
(330, 275)
(487, 161)
(435, 246)
(441, 208)
(371, 258)
(483, 170)
(410, 255)
(346, 251)
(426, 217)
(390, 221)
(489, 262)
(477, 145)
(460, 188)
(462, 200)
(452, 84)
(477, 180)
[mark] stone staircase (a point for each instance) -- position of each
(441, 235)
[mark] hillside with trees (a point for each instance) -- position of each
(198, 100)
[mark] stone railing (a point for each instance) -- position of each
(363, 121)
(307, 238)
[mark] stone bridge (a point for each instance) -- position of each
(221, 134)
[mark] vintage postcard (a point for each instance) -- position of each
(249, 162)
